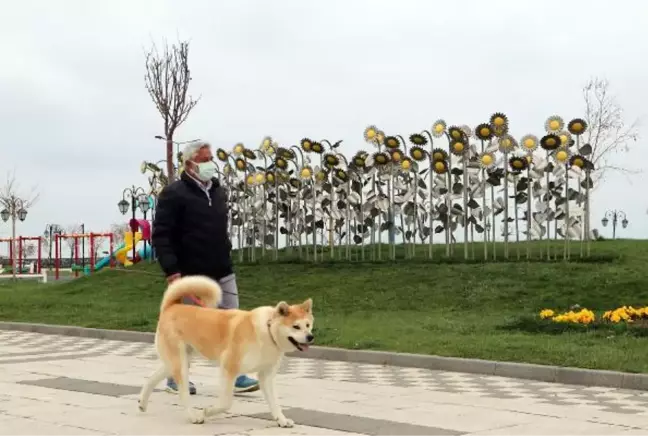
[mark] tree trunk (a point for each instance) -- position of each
(169, 159)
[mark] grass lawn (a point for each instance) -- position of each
(445, 308)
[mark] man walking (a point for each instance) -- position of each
(190, 235)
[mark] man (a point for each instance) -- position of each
(190, 235)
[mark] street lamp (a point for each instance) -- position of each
(50, 231)
(15, 209)
(134, 193)
(144, 206)
(615, 215)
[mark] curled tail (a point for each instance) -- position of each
(206, 289)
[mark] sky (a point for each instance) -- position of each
(77, 120)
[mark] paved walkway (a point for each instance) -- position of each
(69, 385)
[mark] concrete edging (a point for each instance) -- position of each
(557, 374)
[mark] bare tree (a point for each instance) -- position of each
(118, 231)
(70, 242)
(167, 82)
(14, 206)
(98, 242)
(607, 130)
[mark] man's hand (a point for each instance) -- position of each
(173, 277)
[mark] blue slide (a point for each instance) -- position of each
(106, 260)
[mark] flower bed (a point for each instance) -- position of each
(627, 314)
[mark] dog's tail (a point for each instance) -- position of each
(202, 287)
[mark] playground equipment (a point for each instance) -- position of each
(21, 269)
(90, 268)
(140, 235)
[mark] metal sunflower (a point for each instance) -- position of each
(417, 153)
(240, 164)
(440, 167)
(458, 147)
(380, 137)
(392, 142)
(331, 160)
(341, 175)
(550, 142)
(238, 149)
(317, 147)
(285, 153)
(295, 183)
(259, 178)
(249, 154)
(396, 155)
(281, 163)
(529, 143)
(439, 154)
(484, 132)
(562, 156)
(554, 124)
(577, 126)
(381, 158)
(565, 138)
(360, 159)
(507, 144)
(518, 164)
(487, 160)
(406, 164)
(498, 120)
(266, 144)
(321, 175)
(306, 173)
(222, 155)
(370, 133)
(270, 177)
(418, 139)
(455, 133)
(577, 160)
(306, 144)
(438, 128)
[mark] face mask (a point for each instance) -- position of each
(205, 170)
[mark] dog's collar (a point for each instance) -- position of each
(272, 337)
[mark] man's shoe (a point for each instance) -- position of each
(172, 387)
(245, 384)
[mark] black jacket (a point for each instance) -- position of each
(190, 229)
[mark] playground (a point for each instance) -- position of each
(136, 246)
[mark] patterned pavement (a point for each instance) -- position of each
(36, 347)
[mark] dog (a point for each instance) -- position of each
(239, 341)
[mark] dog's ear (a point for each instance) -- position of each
(283, 309)
(308, 305)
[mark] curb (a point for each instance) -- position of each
(545, 373)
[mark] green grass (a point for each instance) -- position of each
(444, 307)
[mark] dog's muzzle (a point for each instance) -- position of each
(302, 346)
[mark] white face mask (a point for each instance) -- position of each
(205, 170)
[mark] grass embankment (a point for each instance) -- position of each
(444, 307)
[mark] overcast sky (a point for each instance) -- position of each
(77, 121)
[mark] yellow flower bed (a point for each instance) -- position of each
(625, 313)
(585, 316)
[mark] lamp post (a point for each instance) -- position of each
(50, 231)
(134, 192)
(14, 209)
(144, 206)
(615, 215)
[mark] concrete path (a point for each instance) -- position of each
(70, 385)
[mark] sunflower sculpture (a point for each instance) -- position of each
(330, 203)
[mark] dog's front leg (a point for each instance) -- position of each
(267, 382)
(226, 395)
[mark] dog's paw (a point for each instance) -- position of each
(197, 416)
(284, 422)
(141, 406)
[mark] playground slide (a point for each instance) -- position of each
(122, 254)
(106, 260)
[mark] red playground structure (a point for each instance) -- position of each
(94, 264)
(21, 251)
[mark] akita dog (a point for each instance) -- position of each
(240, 341)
